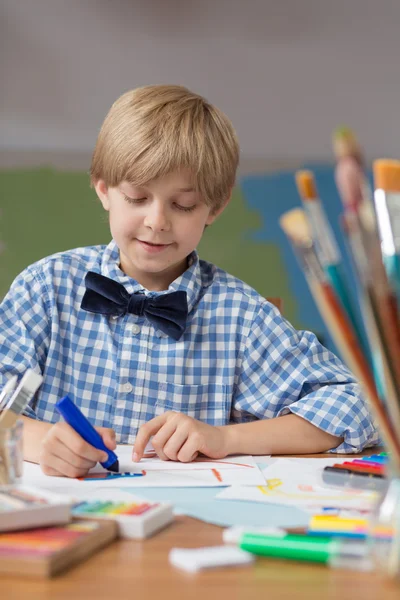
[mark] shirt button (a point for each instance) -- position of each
(98, 345)
(135, 329)
(127, 387)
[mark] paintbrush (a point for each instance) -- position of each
(350, 178)
(25, 391)
(295, 225)
(6, 391)
(387, 208)
(327, 248)
(383, 374)
(357, 200)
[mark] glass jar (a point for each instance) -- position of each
(384, 537)
(11, 454)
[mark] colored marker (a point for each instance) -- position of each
(327, 550)
(360, 469)
(77, 420)
(345, 527)
(375, 458)
(369, 463)
(347, 471)
(97, 476)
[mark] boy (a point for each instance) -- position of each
(150, 341)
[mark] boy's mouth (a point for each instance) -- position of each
(152, 247)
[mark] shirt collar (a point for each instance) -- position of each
(110, 268)
(189, 281)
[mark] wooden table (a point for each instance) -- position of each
(140, 571)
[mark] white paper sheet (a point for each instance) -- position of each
(124, 453)
(214, 475)
(298, 482)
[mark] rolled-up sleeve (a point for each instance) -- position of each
(24, 330)
(288, 371)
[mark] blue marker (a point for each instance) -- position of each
(77, 420)
(102, 476)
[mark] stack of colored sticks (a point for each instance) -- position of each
(365, 469)
(345, 527)
(368, 335)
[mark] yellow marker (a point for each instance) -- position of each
(318, 520)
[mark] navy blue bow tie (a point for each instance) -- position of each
(107, 297)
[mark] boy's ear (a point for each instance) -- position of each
(213, 215)
(102, 192)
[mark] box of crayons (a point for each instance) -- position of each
(47, 551)
(23, 507)
(136, 518)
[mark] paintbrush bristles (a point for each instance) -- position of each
(345, 145)
(387, 175)
(295, 225)
(306, 185)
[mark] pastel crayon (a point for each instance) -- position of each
(369, 463)
(360, 469)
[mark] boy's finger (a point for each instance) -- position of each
(62, 451)
(189, 451)
(161, 439)
(64, 468)
(50, 471)
(68, 436)
(108, 436)
(144, 434)
(175, 443)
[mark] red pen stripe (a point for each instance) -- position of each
(217, 474)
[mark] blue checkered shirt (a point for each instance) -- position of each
(237, 361)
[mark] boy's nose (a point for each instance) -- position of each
(157, 220)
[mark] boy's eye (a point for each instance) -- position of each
(185, 208)
(134, 200)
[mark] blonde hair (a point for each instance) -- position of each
(154, 130)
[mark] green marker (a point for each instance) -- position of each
(335, 552)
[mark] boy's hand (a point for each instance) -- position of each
(179, 437)
(65, 453)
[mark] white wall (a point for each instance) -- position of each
(285, 71)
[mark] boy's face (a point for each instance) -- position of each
(156, 226)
